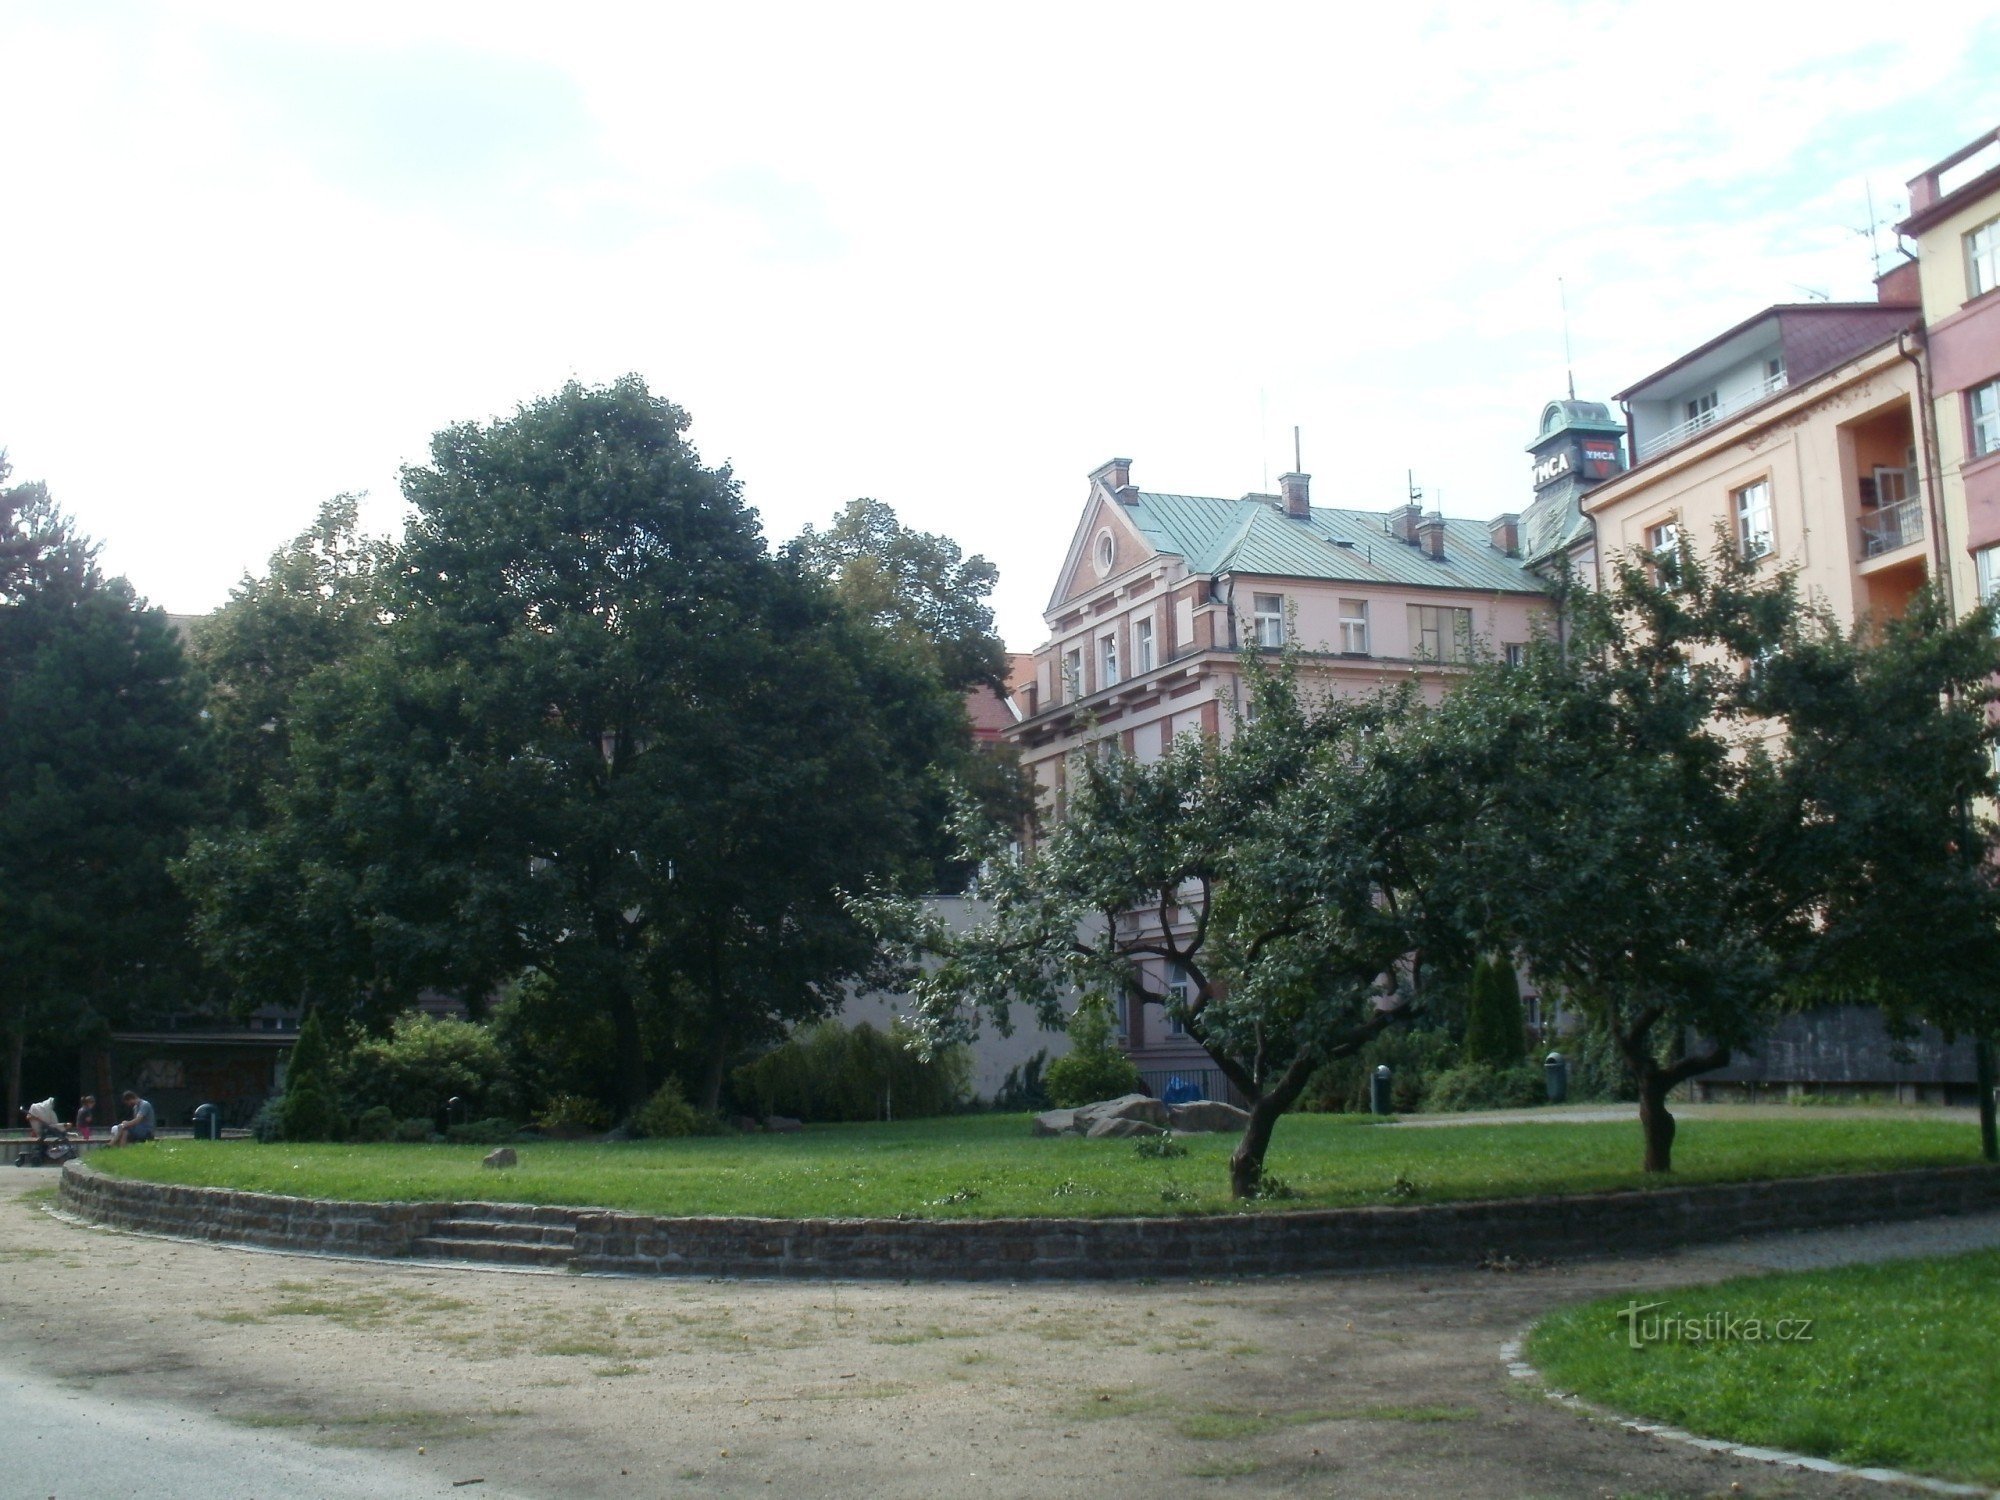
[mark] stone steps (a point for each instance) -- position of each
(502, 1234)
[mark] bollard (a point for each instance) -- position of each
(1379, 1100)
(207, 1123)
(1555, 1073)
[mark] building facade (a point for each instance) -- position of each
(1160, 594)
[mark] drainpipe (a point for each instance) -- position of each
(1928, 448)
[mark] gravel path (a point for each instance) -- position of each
(1378, 1385)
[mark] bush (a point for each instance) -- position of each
(1024, 1087)
(570, 1114)
(1093, 1068)
(376, 1124)
(1414, 1056)
(1495, 1025)
(667, 1116)
(414, 1130)
(264, 1124)
(423, 1061)
(310, 1109)
(1482, 1086)
(827, 1072)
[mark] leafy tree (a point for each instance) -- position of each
(1696, 812)
(602, 735)
(309, 1109)
(1287, 873)
(423, 1062)
(102, 772)
(1093, 1068)
(1495, 1027)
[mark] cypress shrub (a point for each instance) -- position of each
(1495, 1026)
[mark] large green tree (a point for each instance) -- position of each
(102, 773)
(1708, 803)
(602, 735)
(1287, 872)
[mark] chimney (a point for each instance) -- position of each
(1295, 488)
(1430, 536)
(1897, 286)
(1114, 476)
(1403, 522)
(1505, 532)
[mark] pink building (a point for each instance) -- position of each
(1159, 593)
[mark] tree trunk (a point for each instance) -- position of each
(632, 1089)
(1657, 1122)
(1246, 1163)
(1989, 1128)
(712, 1074)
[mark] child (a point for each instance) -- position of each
(86, 1112)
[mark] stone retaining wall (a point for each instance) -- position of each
(976, 1249)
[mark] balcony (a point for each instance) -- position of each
(1728, 406)
(1891, 527)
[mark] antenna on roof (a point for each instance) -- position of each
(1813, 293)
(1263, 439)
(1873, 232)
(1416, 495)
(1569, 360)
(1298, 464)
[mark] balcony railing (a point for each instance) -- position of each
(1673, 437)
(1891, 527)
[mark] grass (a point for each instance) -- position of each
(1898, 1370)
(988, 1166)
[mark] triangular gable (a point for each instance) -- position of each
(1130, 548)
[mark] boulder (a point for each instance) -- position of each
(1056, 1122)
(1140, 1107)
(1199, 1115)
(783, 1124)
(1117, 1128)
(504, 1157)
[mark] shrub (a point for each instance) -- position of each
(829, 1072)
(377, 1123)
(1414, 1057)
(423, 1061)
(1495, 1025)
(310, 1109)
(571, 1114)
(414, 1130)
(1482, 1086)
(264, 1124)
(1093, 1068)
(666, 1116)
(1024, 1087)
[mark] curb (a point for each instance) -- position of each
(1512, 1357)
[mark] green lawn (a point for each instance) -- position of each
(1899, 1370)
(988, 1165)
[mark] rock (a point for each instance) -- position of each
(1056, 1122)
(504, 1157)
(783, 1124)
(1208, 1115)
(1117, 1128)
(743, 1124)
(1128, 1107)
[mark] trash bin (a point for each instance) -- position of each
(207, 1123)
(1379, 1099)
(1555, 1073)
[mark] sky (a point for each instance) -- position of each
(952, 257)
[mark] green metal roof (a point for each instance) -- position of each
(1254, 535)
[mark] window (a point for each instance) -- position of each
(1072, 672)
(1982, 259)
(1439, 633)
(1354, 626)
(1892, 486)
(1142, 646)
(1986, 567)
(1753, 519)
(1664, 540)
(1179, 993)
(1105, 554)
(1701, 411)
(1270, 619)
(1516, 652)
(1107, 660)
(1984, 402)
(1774, 370)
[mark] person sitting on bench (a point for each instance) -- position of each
(139, 1127)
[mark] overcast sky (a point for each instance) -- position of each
(950, 256)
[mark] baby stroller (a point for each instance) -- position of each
(49, 1145)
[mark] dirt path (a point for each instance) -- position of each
(1380, 1385)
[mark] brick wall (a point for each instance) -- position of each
(974, 1249)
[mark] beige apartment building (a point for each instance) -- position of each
(1160, 594)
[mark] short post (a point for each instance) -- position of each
(207, 1123)
(1555, 1073)
(1379, 1098)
